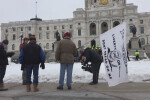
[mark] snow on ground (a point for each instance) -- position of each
(139, 71)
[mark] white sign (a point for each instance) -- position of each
(113, 44)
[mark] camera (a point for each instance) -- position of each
(88, 68)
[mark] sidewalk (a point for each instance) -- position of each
(80, 91)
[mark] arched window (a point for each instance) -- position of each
(142, 41)
(47, 46)
(13, 47)
(104, 27)
(40, 44)
(116, 23)
(79, 43)
(92, 29)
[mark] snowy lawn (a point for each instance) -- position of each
(139, 71)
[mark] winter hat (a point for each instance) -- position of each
(32, 37)
(5, 42)
(25, 39)
(67, 35)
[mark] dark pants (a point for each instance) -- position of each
(96, 68)
(137, 57)
(2, 73)
(29, 69)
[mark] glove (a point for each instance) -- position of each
(42, 66)
(10, 54)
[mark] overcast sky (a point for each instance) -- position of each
(22, 10)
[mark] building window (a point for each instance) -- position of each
(130, 20)
(6, 37)
(131, 29)
(21, 28)
(79, 32)
(71, 26)
(14, 29)
(14, 37)
(55, 27)
(29, 35)
(141, 21)
(6, 30)
(142, 41)
(79, 43)
(142, 30)
(93, 28)
(79, 24)
(40, 45)
(63, 26)
(63, 34)
(47, 35)
(40, 35)
(71, 34)
(13, 47)
(40, 28)
(47, 46)
(47, 28)
(29, 28)
(95, 1)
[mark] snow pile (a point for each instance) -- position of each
(138, 71)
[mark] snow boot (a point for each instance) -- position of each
(35, 88)
(28, 88)
(2, 88)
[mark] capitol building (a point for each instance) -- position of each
(87, 24)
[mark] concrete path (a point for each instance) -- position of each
(80, 91)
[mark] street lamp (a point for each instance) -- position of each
(21, 36)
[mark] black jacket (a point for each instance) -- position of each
(91, 56)
(31, 54)
(4, 55)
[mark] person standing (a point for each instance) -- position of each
(65, 53)
(96, 60)
(137, 55)
(3, 62)
(31, 56)
(25, 42)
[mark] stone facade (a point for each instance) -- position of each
(87, 24)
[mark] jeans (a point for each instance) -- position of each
(69, 68)
(29, 69)
(2, 73)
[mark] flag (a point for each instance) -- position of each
(113, 43)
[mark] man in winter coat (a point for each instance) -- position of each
(65, 52)
(31, 56)
(3, 62)
(25, 42)
(95, 59)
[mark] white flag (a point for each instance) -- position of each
(113, 44)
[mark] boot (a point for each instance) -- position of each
(35, 88)
(28, 88)
(2, 88)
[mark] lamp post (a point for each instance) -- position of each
(21, 36)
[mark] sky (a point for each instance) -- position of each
(23, 10)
